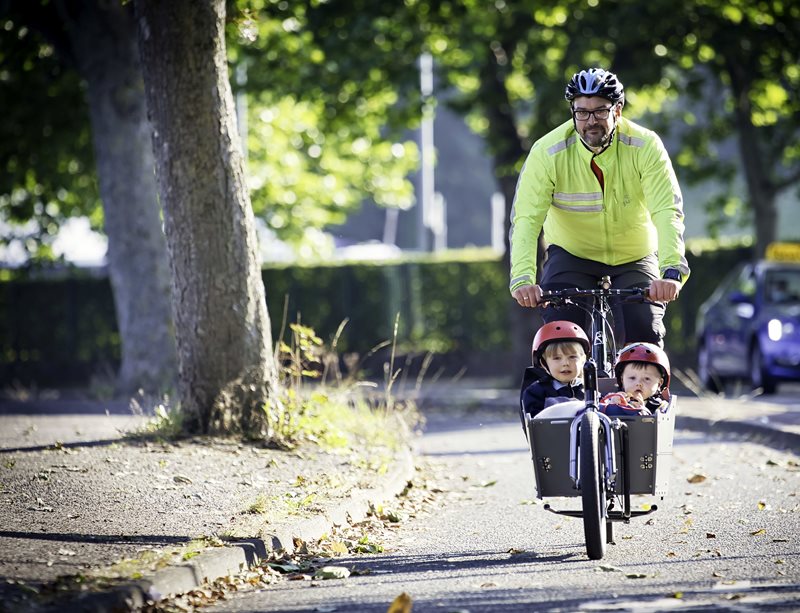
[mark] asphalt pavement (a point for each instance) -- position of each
(79, 497)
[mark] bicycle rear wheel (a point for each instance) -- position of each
(593, 494)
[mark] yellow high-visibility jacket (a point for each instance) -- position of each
(639, 212)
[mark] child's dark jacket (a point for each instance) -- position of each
(539, 390)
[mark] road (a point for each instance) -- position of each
(726, 537)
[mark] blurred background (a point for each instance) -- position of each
(382, 147)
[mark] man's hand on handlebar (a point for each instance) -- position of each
(528, 295)
(664, 290)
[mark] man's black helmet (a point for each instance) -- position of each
(595, 82)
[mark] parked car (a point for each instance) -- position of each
(750, 326)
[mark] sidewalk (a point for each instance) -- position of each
(78, 498)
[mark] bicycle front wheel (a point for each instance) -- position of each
(593, 494)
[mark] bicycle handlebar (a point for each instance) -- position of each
(576, 292)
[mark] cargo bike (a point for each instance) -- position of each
(602, 460)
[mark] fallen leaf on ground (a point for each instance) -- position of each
(697, 478)
(608, 569)
(332, 572)
(338, 547)
(401, 604)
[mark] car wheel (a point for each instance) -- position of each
(708, 378)
(759, 377)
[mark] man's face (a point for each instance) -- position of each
(594, 131)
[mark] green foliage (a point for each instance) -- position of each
(453, 303)
(735, 65)
(303, 175)
(331, 85)
(312, 159)
(341, 54)
(438, 299)
(320, 105)
(166, 423)
(46, 157)
(335, 412)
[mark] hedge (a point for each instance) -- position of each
(62, 331)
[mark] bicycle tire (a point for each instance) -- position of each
(592, 467)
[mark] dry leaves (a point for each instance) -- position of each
(401, 604)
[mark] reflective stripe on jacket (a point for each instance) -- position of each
(640, 212)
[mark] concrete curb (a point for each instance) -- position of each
(235, 557)
(355, 509)
(753, 431)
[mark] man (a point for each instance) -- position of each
(604, 190)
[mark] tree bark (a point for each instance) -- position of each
(104, 44)
(507, 149)
(226, 366)
(760, 188)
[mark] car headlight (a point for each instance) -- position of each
(776, 329)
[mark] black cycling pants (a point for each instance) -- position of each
(633, 322)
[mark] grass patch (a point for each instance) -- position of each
(259, 507)
(318, 403)
(314, 401)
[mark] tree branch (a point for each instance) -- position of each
(787, 181)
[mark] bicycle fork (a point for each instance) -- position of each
(608, 446)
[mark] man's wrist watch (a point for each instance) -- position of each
(672, 274)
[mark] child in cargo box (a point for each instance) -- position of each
(556, 374)
(642, 372)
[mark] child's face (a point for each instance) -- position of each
(563, 365)
(643, 380)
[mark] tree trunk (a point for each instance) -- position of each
(225, 361)
(103, 40)
(760, 188)
(507, 150)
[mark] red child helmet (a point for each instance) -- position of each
(557, 331)
(643, 352)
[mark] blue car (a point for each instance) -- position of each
(750, 326)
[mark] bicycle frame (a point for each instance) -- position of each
(600, 355)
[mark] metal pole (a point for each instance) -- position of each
(427, 151)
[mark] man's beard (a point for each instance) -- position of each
(595, 136)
